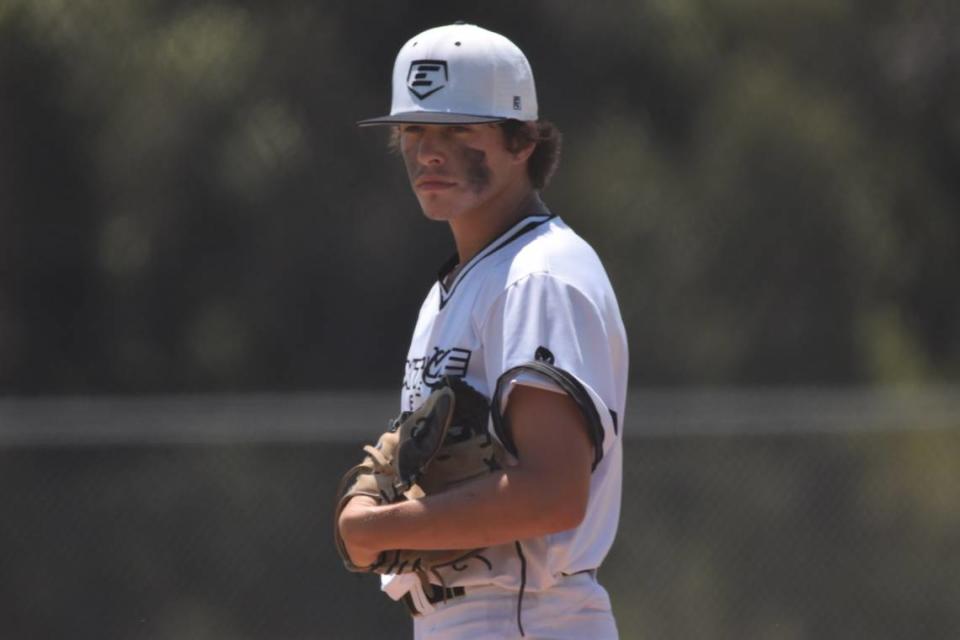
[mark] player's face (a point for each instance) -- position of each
(458, 169)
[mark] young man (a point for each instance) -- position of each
(522, 288)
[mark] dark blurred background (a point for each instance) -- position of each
(190, 219)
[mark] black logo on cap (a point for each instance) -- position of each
(426, 77)
(543, 355)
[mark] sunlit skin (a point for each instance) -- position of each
(466, 176)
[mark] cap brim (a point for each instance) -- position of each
(428, 117)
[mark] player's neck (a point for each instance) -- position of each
(473, 232)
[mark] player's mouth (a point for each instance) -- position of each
(433, 183)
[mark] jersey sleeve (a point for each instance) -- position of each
(544, 332)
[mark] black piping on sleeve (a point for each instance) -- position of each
(569, 384)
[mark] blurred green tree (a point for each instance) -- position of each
(185, 203)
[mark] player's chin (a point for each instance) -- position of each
(436, 209)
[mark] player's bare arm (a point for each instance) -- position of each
(545, 493)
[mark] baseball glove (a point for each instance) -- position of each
(442, 444)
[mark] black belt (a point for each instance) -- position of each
(434, 595)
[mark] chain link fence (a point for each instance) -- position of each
(746, 514)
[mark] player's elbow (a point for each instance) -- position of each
(544, 504)
(574, 510)
(568, 517)
(567, 507)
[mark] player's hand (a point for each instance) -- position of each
(352, 527)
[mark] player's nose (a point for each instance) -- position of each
(430, 147)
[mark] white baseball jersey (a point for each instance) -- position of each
(536, 293)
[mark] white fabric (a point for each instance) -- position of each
(576, 608)
(397, 586)
(538, 291)
(538, 286)
(528, 379)
(476, 72)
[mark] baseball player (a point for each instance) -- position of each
(523, 313)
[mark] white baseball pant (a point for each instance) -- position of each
(577, 607)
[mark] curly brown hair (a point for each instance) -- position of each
(517, 134)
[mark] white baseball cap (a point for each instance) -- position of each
(460, 74)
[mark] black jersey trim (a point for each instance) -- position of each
(570, 385)
(523, 227)
(446, 268)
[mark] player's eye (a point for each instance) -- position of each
(458, 128)
(411, 129)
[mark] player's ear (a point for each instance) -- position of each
(521, 156)
(519, 138)
(524, 142)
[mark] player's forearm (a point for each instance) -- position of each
(495, 509)
(545, 493)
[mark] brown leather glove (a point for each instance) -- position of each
(443, 443)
